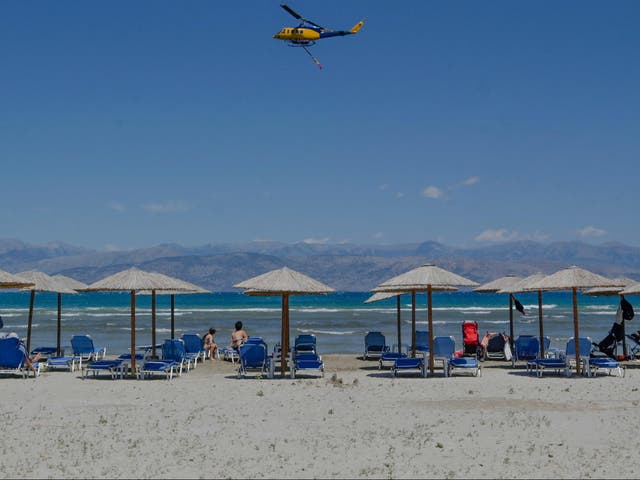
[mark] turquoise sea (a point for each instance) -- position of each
(339, 321)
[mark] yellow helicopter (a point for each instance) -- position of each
(307, 33)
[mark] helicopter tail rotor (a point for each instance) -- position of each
(356, 28)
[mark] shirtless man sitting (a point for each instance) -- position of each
(238, 336)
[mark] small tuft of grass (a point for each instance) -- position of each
(335, 380)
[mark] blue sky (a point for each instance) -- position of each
(127, 124)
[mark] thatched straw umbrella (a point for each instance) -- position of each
(44, 283)
(71, 283)
(610, 292)
(574, 279)
(8, 280)
(427, 278)
(189, 288)
(633, 289)
(134, 279)
(496, 286)
(285, 282)
(522, 286)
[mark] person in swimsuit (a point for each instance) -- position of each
(23, 348)
(210, 344)
(238, 336)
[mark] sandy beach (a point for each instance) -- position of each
(357, 422)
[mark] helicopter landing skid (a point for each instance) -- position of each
(310, 43)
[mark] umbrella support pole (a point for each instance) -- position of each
(413, 323)
(133, 333)
(430, 320)
(173, 317)
(153, 324)
(624, 341)
(284, 343)
(540, 323)
(31, 302)
(58, 347)
(399, 314)
(511, 322)
(576, 333)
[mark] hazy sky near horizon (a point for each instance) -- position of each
(126, 124)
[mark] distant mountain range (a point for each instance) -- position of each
(346, 267)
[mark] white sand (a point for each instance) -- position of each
(360, 424)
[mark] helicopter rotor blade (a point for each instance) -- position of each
(314, 24)
(297, 16)
(291, 12)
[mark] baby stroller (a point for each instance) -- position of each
(496, 346)
(471, 340)
(609, 345)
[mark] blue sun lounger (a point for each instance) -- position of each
(173, 351)
(303, 362)
(193, 347)
(253, 356)
(157, 367)
(465, 364)
(374, 345)
(585, 344)
(539, 365)
(565, 361)
(409, 364)
(422, 341)
(84, 350)
(115, 368)
(389, 358)
(604, 363)
(443, 350)
(527, 348)
(305, 343)
(230, 353)
(13, 358)
(62, 363)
